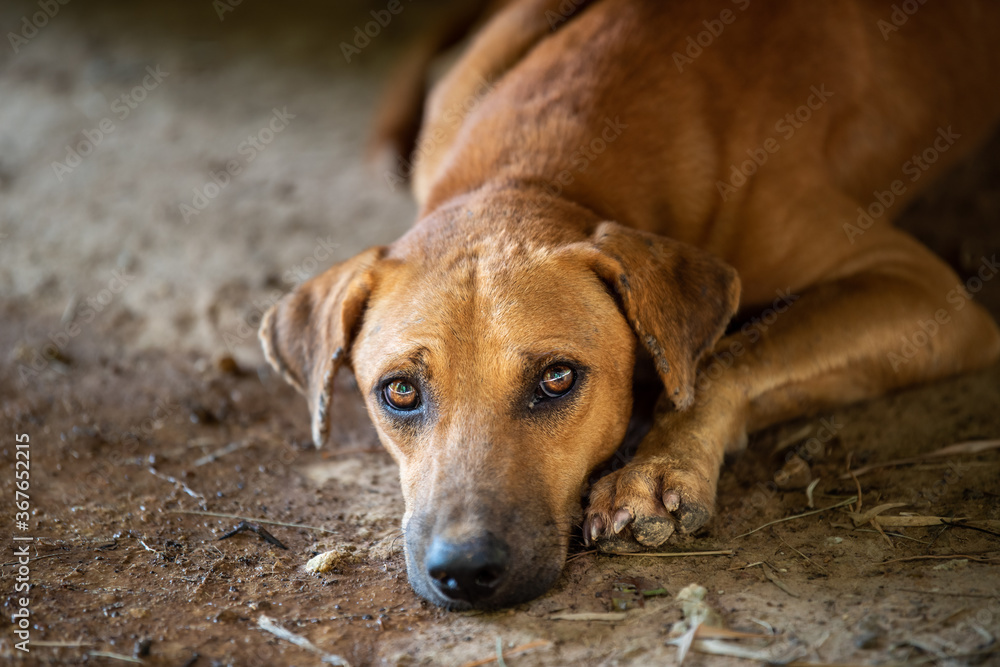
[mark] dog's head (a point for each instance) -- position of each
(496, 361)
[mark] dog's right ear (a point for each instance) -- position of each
(677, 298)
(307, 334)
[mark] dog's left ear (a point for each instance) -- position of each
(677, 298)
(307, 334)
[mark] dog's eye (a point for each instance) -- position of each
(557, 381)
(401, 395)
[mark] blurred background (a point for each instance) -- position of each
(140, 138)
(117, 124)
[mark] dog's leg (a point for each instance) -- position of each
(841, 341)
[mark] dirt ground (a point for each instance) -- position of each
(130, 361)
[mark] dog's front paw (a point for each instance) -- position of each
(643, 504)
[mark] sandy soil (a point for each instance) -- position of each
(119, 310)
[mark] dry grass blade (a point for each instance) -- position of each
(219, 453)
(807, 559)
(114, 656)
(989, 526)
(849, 501)
(970, 447)
(860, 519)
(799, 663)
(268, 624)
(986, 596)
(809, 492)
(745, 567)
(900, 521)
(948, 557)
(711, 632)
(673, 554)
(61, 644)
(607, 617)
(179, 484)
(768, 654)
(684, 642)
(248, 518)
(696, 614)
(773, 578)
(538, 643)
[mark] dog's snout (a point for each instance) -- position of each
(471, 570)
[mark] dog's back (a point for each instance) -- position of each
(686, 118)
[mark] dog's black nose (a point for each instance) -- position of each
(470, 570)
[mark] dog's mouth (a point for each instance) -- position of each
(484, 569)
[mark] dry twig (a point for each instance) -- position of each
(268, 624)
(673, 554)
(970, 447)
(538, 643)
(247, 518)
(849, 501)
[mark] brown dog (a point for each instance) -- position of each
(626, 168)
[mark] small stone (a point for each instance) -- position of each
(226, 364)
(956, 564)
(328, 560)
(229, 615)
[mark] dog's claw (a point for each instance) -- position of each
(593, 529)
(622, 518)
(671, 500)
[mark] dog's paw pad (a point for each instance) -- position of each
(653, 531)
(692, 516)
